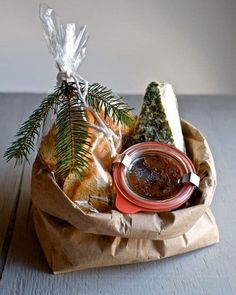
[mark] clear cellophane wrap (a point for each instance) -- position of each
(91, 189)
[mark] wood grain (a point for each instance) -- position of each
(208, 271)
(14, 109)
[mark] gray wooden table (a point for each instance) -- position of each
(23, 268)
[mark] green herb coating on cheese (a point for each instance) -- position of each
(152, 124)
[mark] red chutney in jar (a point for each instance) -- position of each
(154, 177)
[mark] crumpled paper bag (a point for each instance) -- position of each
(72, 240)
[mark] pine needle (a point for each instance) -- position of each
(102, 99)
(72, 143)
(30, 129)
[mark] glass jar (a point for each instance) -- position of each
(152, 176)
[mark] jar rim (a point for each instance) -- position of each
(144, 204)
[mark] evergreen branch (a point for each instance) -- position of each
(73, 138)
(102, 99)
(30, 129)
(72, 143)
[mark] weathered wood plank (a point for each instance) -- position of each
(6, 241)
(13, 110)
(207, 271)
(9, 187)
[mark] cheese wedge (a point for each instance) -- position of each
(159, 117)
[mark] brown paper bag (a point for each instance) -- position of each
(72, 240)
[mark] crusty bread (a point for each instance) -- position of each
(47, 151)
(92, 190)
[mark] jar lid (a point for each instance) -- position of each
(152, 176)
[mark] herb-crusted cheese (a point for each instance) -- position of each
(159, 117)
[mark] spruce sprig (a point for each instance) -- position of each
(72, 141)
(103, 99)
(30, 129)
(73, 138)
